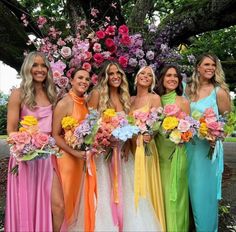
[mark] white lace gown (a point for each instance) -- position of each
(142, 219)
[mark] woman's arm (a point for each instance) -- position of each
(223, 101)
(13, 111)
(61, 111)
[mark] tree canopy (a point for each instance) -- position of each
(182, 22)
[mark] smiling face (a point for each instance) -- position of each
(145, 77)
(207, 68)
(39, 70)
(171, 80)
(80, 82)
(114, 76)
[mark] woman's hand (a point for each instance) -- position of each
(79, 154)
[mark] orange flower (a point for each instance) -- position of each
(202, 119)
(186, 136)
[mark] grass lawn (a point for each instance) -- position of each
(3, 136)
(230, 139)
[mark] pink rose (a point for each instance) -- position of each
(40, 140)
(62, 82)
(183, 125)
(97, 47)
(20, 137)
(215, 127)
(69, 72)
(209, 113)
(123, 61)
(56, 74)
(123, 29)
(87, 56)
(171, 110)
(109, 43)
(125, 40)
(110, 30)
(66, 52)
(112, 49)
(100, 34)
(98, 58)
(87, 66)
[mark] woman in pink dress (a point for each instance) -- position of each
(34, 196)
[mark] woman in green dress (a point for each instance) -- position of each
(173, 158)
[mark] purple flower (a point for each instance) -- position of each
(150, 55)
(142, 63)
(133, 62)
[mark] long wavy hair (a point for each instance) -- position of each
(217, 80)
(153, 78)
(103, 87)
(160, 89)
(27, 84)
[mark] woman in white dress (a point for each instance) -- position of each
(113, 214)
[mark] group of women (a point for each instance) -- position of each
(49, 194)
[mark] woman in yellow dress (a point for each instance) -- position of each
(144, 100)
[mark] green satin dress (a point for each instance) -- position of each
(174, 178)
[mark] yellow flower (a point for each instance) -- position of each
(68, 122)
(203, 129)
(175, 136)
(170, 123)
(29, 120)
(109, 113)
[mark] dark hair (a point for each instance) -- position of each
(77, 70)
(160, 89)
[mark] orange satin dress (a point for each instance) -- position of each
(71, 168)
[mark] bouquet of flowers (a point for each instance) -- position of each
(177, 125)
(213, 128)
(113, 127)
(148, 122)
(29, 143)
(81, 136)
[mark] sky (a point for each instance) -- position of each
(8, 78)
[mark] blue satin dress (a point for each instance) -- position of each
(205, 175)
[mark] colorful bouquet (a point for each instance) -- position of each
(29, 143)
(80, 136)
(177, 125)
(148, 122)
(113, 127)
(213, 128)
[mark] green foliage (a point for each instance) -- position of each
(3, 114)
(226, 220)
(221, 42)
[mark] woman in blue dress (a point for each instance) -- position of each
(206, 89)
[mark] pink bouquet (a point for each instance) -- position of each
(29, 143)
(113, 127)
(211, 128)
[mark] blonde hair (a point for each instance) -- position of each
(103, 87)
(153, 77)
(217, 80)
(27, 84)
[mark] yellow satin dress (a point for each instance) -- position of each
(152, 175)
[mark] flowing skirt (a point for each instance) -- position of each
(28, 203)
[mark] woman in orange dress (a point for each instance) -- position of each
(71, 163)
